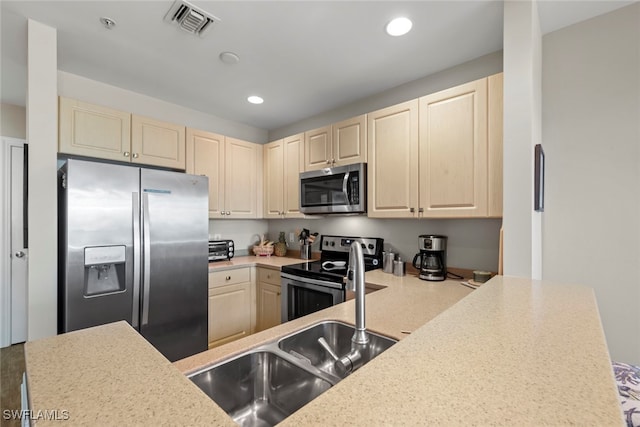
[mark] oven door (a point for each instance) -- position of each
(302, 296)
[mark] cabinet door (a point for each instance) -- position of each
(350, 141)
(241, 173)
(453, 151)
(229, 313)
(268, 306)
(157, 143)
(494, 133)
(205, 156)
(90, 130)
(393, 161)
(274, 179)
(293, 165)
(317, 148)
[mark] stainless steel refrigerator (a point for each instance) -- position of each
(134, 246)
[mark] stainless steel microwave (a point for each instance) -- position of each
(341, 189)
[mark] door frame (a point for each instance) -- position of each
(5, 244)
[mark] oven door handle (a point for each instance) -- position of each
(305, 280)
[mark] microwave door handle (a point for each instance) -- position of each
(345, 187)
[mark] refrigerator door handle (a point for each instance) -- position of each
(135, 320)
(146, 259)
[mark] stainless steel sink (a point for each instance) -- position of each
(260, 388)
(304, 344)
(264, 385)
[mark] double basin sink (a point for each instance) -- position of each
(266, 384)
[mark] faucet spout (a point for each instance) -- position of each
(355, 283)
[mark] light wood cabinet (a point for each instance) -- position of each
(283, 162)
(349, 141)
(453, 152)
(205, 156)
(268, 299)
(94, 131)
(393, 161)
(157, 143)
(494, 132)
(339, 144)
(230, 306)
(439, 156)
(234, 168)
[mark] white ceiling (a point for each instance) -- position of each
(302, 57)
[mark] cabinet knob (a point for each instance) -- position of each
(328, 162)
(278, 293)
(135, 155)
(227, 278)
(333, 161)
(412, 210)
(421, 210)
(228, 213)
(126, 154)
(222, 213)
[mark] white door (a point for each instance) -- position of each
(15, 295)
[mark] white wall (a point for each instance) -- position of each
(522, 226)
(591, 133)
(84, 89)
(472, 243)
(472, 70)
(244, 232)
(13, 121)
(42, 135)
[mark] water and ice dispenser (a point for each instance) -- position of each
(104, 270)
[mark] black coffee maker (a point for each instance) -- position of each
(432, 259)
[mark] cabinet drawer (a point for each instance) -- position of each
(269, 276)
(229, 277)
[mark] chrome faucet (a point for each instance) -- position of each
(355, 283)
(360, 340)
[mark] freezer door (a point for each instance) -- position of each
(97, 204)
(175, 223)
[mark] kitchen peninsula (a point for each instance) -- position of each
(513, 352)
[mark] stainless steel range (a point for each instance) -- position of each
(314, 285)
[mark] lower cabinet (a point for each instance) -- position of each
(268, 299)
(230, 305)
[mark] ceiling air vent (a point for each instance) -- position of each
(190, 18)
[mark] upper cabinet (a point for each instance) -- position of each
(453, 152)
(393, 161)
(283, 162)
(234, 168)
(339, 144)
(439, 156)
(205, 156)
(94, 131)
(494, 132)
(157, 143)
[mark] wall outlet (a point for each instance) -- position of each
(291, 237)
(217, 237)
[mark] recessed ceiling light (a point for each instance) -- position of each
(255, 99)
(229, 58)
(399, 26)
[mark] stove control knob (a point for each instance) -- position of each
(375, 262)
(326, 243)
(333, 243)
(370, 246)
(363, 246)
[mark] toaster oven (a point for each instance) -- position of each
(221, 250)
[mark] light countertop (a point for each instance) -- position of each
(513, 352)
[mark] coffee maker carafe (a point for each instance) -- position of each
(432, 259)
